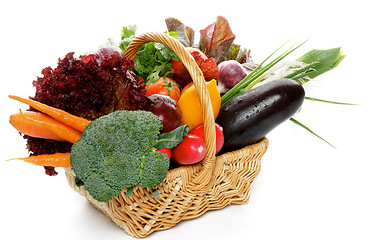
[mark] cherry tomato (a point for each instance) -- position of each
(166, 151)
(199, 131)
(191, 150)
(164, 86)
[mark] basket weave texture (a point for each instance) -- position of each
(188, 191)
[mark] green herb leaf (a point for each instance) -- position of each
(173, 138)
(309, 130)
(152, 59)
(127, 35)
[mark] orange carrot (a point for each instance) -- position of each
(71, 120)
(52, 160)
(23, 125)
(62, 131)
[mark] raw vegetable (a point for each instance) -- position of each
(191, 150)
(68, 119)
(51, 160)
(117, 151)
(165, 86)
(199, 131)
(231, 72)
(318, 61)
(190, 104)
(206, 65)
(257, 75)
(106, 78)
(216, 39)
(167, 109)
(186, 35)
(248, 117)
(19, 122)
(39, 125)
(166, 151)
(108, 84)
(152, 59)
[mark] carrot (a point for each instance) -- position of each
(63, 131)
(68, 119)
(52, 160)
(27, 127)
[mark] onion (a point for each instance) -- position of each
(231, 72)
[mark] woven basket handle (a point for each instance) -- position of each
(204, 177)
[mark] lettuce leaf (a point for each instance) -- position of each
(186, 35)
(216, 39)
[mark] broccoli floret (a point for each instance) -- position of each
(117, 151)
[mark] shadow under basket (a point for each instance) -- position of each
(188, 191)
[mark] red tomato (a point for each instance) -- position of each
(166, 151)
(165, 86)
(199, 131)
(191, 150)
(180, 73)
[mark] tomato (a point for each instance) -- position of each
(180, 73)
(199, 131)
(166, 151)
(191, 150)
(164, 86)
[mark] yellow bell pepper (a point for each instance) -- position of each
(190, 104)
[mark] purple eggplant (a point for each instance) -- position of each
(250, 116)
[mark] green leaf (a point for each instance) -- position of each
(127, 35)
(173, 138)
(152, 59)
(323, 60)
(309, 130)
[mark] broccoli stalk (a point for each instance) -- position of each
(118, 151)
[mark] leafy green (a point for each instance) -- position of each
(173, 138)
(186, 35)
(216, 39)
(127, 35)
(318, 62)
(152, 59)
(117, 151)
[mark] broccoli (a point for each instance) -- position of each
(118, 151)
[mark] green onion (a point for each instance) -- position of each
(257, 75)
(309, 130)
(326, 101)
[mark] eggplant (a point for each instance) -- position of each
(250, 116)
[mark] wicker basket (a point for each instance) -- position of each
(188, 191)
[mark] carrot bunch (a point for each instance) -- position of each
(50, 123)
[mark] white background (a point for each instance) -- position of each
(306, 189)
